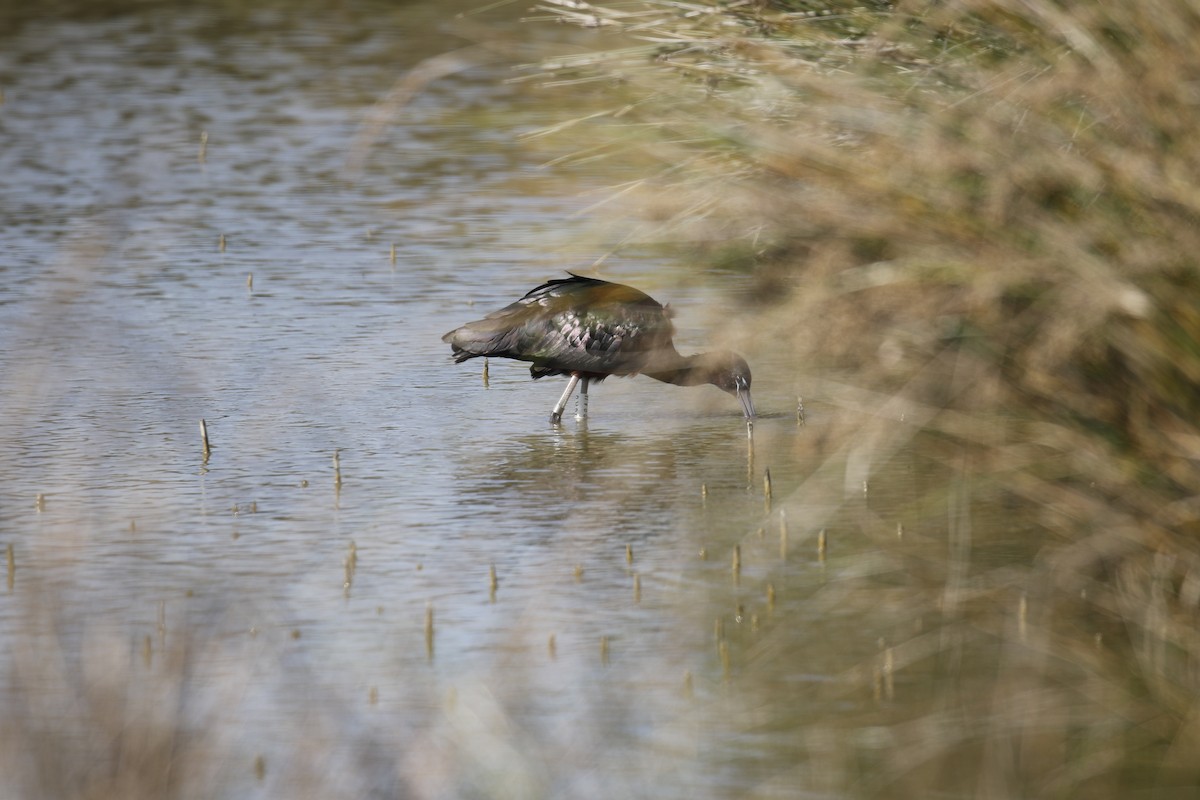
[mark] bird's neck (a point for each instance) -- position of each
(671, 367)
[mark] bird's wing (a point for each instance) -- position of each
(585, 325)
(574, 324)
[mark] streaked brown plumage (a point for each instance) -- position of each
(589, 329)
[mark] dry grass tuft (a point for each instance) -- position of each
(1008, 188)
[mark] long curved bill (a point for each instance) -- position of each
(747, 404)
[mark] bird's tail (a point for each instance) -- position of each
(480, 338)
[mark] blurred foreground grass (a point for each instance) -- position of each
(971, 224)
(983, 217)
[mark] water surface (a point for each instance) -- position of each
(196, 227)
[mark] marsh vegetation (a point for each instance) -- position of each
(956, 558)
(982, 217)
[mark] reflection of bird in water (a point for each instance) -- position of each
(589, 329)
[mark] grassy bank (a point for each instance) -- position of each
(987, 212)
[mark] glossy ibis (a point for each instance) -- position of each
(589, 329)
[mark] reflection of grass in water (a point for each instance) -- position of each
(91, 712)
(985, 207)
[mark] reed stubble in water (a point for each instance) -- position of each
(350, 564)
(783, 535)
(429, 631)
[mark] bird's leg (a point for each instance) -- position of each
(556, 414)
(581, 409)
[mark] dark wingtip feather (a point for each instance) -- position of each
(460, 355)
(471, 342)
(459, 352)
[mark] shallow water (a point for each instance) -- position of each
(214, 595)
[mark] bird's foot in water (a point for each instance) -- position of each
(581, 402)
(556, 418)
